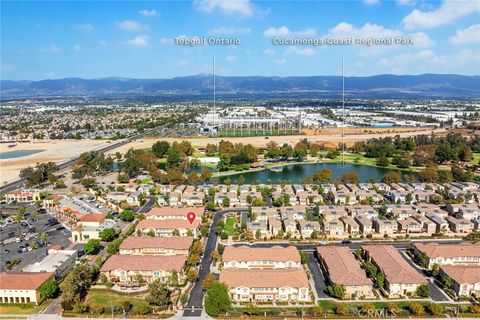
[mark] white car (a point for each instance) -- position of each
(18, 240)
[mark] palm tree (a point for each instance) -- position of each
(35, 214)
(34, 246)
(17, 218)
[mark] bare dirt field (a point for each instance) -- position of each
(331, 137)
(53, 150)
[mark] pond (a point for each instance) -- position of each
(297, 173)
(18, 153)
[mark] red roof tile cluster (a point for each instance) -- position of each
(293, 278)
(342, 266)
(393, 265)
(144, 263)
(165, 211)
(178, 243)
(23, 280)
(167, 224)
(275, 253)
(435, 250)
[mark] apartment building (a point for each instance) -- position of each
(401, 279)
(466, 279)
(287, 285)
(128, 270)
(146, 245)
(341, 268)
(449, 254)
(275, 257)
(89, 227)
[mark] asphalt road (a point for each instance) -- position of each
(195, 302)
(435, 292)
(317, 275)
(147, 206)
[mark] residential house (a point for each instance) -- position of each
(343, 269)
(308, 227)
(365, 225)
(449, 253)
(401, 279)
(352, 227)
(409, 225)
(385, 227)
(466, 279)
(275, 257)
(333, 227)
(89, 227)
(460, 225)
(146, 245)
(440, 223)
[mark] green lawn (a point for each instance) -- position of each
(107, 298)
(22, 308)
(230, 226)
(476, 158)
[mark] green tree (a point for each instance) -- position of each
(226, 202)
(380, 280)
(49, 289)
(303, 257)
(160, 148)
(107, 234)
(75, 285)
(208, 281)
(392, 177)
(217, 300)
(383, 162)
(127, 215)
(350, 178)
(158, 293)
(336, 291)
(417, 309)
(91, 246)
(423, 291)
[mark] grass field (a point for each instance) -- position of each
(230, 226)
(253, 133)
(22, 308)
(107, 298)
(476, 158)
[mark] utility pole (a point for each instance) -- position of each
(343, 114)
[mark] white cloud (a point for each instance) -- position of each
(148, 13)
(405, 2)
(4, 67)
(231, 58)
(165, 40)
(76, 47)
(103, 43)
(371, 2)
(301, 51)
(50, 48)
(427, 60)
(139, 41)
(468, 35)
(448, 12)
(369, 30)
(129, 25)
(269, 52)
(280, 61)
(228, 30)
(242, 7)
(85, 27)
(283, 31)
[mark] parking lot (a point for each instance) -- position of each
(16, 238)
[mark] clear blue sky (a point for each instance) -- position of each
(93, 39)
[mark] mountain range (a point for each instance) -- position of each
(378, 86)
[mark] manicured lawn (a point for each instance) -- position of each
(476, 158)
(230, 226)
(22, 308)
(107, 298)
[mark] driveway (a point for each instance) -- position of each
(317, 275)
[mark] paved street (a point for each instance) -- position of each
(317, 275)
(195, 302)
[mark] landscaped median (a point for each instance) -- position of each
(330, 309)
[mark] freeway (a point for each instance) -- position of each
(64, 165)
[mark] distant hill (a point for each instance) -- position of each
(379, 86)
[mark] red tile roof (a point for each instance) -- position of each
(93, 217)
(435, 250)
(463, 274)
(167, 224)
(342, 266)
(275, 253)
(165, 211)
(293, 278)
(178, 243)
(144, 263)
(23, 280)
(393, 265)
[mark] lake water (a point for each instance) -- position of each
(18, 153)
(297, 173)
